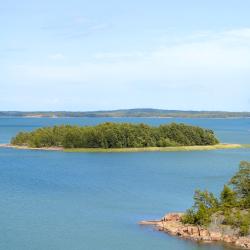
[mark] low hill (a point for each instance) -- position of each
(129, 113)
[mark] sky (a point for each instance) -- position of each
(83, 55)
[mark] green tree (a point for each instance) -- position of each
(241, 183)
(228, 197)
(233, 203)
(116, 135)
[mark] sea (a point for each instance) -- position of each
(52, 200)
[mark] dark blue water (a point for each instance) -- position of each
(78, 201)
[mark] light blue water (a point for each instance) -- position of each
(93, 201)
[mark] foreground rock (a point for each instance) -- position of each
(171, 223)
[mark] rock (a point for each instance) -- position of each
(228, 239)
(172, 217)
(206, 238)
(149, 222)
(243, 242)
(204, 232)
(171, 223)
(193, 230)
(216, 236)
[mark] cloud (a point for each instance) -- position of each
(209, 74)
(57, 56)
(243, 33)
(118, 56)
(223, 53)
(76, 27)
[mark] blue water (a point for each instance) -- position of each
(93, 201)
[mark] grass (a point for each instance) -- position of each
(145, 149)
(157, 149)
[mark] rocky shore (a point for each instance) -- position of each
(171, 223)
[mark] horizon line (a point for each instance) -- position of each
(126, 109)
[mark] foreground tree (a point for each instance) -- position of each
(241, 184)
(233, 205)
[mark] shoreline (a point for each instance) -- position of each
(30, 148)
(127, 150)
(172, 225)
(156, 149)
(144, 117)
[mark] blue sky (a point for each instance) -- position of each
(99, 55)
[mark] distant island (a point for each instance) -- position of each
(159, 113)
(226, 218)
(116, 135)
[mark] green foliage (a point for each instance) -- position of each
(233, 204)
(205, 198)
(245, 224)
(116, 135)
(241, 183)
(228, 197)
(189, 217)
(239, 219)
(205, 204)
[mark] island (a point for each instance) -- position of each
(225, 219)
(120, 137)
(116, 135)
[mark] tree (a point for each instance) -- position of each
(234, 204)
(206, 198)
(116, 135)
(228, 197)
(205, 204)
(241, 183)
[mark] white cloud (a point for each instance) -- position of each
(243, 33)
(118, 56)
(210, 74)
(57, 56)
(221, 54)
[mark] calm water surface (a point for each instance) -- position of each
(92, 201)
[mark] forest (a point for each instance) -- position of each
(116, 135)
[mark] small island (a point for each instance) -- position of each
(120, 137)
(225, 219)
(117, 136)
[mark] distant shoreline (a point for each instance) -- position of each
(127, 150)
(129, 113)
(117, 117)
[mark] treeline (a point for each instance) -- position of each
(128, 113)
(231, 208)
(116, 135)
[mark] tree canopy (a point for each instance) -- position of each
(116, 135)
